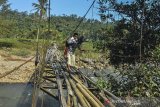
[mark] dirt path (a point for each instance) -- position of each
(9, 62)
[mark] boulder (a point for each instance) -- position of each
(87, 60)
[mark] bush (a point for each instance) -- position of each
(25, 40)
(6, 44)
(17, 43)
(101, 83)
(21, 52)
(156, 53)
(140, 80)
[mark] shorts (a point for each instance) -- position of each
(71, 59)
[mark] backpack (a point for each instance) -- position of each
(66, 43)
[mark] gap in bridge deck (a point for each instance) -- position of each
(20, 95)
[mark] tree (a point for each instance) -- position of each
(4, 8)
(137, 31)
(3, 2)
(41, 8)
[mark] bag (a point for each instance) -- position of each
(65, 51)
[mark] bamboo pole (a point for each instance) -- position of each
(79, 95)
(34, 93)
(95, 98)
(69, 89)
(106, 100)
(75, 103)
(106, 92)
(87, 102)
(87, 96)
(49, 93)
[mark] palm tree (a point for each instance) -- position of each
(41, 8)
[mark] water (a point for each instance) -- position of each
(20, 95)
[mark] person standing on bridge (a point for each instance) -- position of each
(70, 46)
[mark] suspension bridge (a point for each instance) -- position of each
(74, 89)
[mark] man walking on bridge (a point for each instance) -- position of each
(69, 53)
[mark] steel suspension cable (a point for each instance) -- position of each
(83, 17)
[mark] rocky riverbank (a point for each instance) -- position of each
(92, 63)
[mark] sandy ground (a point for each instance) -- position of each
(9, 62)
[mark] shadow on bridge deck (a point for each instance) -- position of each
(20, 95)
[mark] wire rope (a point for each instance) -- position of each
(83, 17)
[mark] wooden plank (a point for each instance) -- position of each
(75, 103)
(49, 93)
(49, 79)
(69, 89)
(60, 91)
(53, 76)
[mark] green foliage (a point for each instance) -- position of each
(23, 25)
(89, 51)
(17, 43)
(88, 54)
(4, 6)
(25, 40)
(87, 46)
(156, 53)
(141, 80)
(16, 24)
(20, 52)
(41, 8)
(137, 19)
(101, 83)
(103, 37)
(67, 24)
(6, 44)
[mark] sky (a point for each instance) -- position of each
(59, 7)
